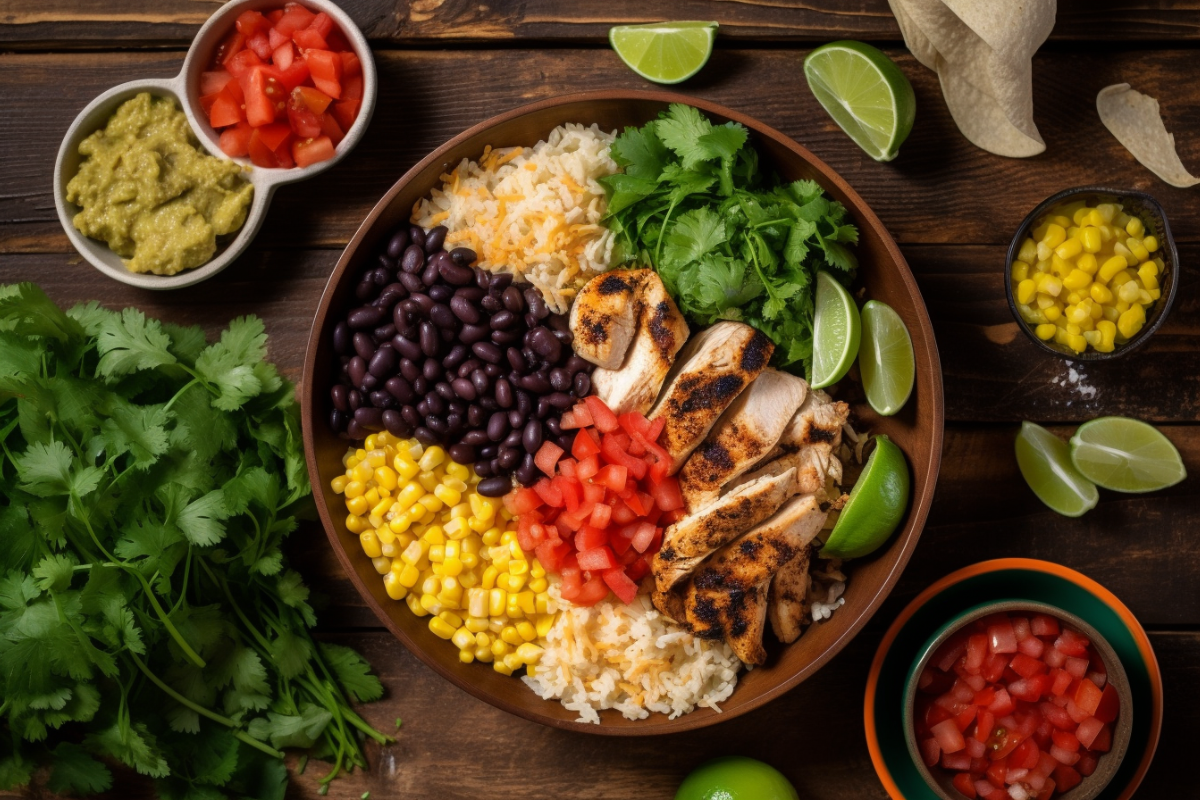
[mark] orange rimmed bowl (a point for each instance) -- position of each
(1016, 579)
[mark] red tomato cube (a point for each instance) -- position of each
(602, 416)
(1002, 639)
(597, 559)
(1087, 697)
(547, 457)
(1065, 778)
(235, 141)
(948, 736)
(965, 784)
(621, 585)
(1109, 705)
(931, 751)
(1026, 666)
(1072, 643)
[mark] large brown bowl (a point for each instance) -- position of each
(917, 429)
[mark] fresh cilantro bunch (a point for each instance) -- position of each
(729, 242)
(147, 616)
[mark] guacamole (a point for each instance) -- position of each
(149, 191)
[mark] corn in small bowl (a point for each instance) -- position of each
(1106, 338)
(446, 551)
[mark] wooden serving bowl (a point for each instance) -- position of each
(917, 429)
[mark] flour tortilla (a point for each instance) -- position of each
(981, 51)
(1134, 119)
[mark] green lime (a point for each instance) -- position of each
(664, 52)
(836, 331)
(866, 94)
(735, 778)
(885, 358)
(876, 505)
(1126, 455)
(1046, 464)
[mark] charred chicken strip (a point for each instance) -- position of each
(788, 606)
(661, 332)
(710, 372)
(744, 434)
(604, 317)
(807, 445)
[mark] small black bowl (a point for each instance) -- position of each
(1153, 217)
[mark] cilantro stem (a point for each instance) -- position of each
(179, 394)
(199, 709)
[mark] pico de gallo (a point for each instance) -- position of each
(598, 515)
(283, 88)
(1017, 707)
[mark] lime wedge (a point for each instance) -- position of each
(1046, 465)
(885, 358)
(876, 504)
(866, 94)
(1126, 455)
(836, 331)
(664, 52)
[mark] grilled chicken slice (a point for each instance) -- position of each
(712, 370)
(690, 540)
(788, 606)
(807, 445)
(604, 317)
(744, 434)
(743, 569)
(671, 604)
(661, 332)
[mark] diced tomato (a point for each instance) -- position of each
(1086, 764)
(603, 418)
(547, 456)
(643, 537)
(330, 128)
(585, 445)
(277, 39)
(252, 22)
(260, 154)
(1072, 643)
(294, 75)
(524, 501)
(1043, 625)
(632, 422)
(579, 412)
(1003, 704)
(592, 592)
(235, 141)
(621, 585)
(638, 569)
(997, 771)
(1109, 705)
(214, 81)
(994, 666)
(1085, 734)
(601, 516)
(667, 494)
(551, 554)
(1066, 778)
(948, 736)
(283, 55)
(1057, 717)
(976, 653)
(346, 111)
(613, 477)
(322, 23)
(1031, 646)
(610, 446)
(1026, 666)
(597, 559)
(1103, 741)
(1025, 756)
(1001, 637)
(325, 68)
(295, 18)
(1087, 697)
(964, 719)
(231, 45)
(309, 39)
(985, 722)
(1077, 667)
(225, 110)
(351, 65)
(274, 135)
(240, 63)
(260, 109)
(551, 495)
(284, 152)
(965, 784)
(260, 45)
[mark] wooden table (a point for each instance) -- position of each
(447, 64)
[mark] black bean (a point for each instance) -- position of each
(399, 388)
(416, 235)
(560, 380)
(489, 451)
(454, 274)
(422, 407)
(425, 436)
(364, 317)
(340, 395)
(560, 400)
(454, 424)
(369, 418)
(435, 238)
(509, 457)
(505, 338)
(383, 362)
(513, 439)
(503, 393)
(492, 370)
(358, 370)
(381, 277)
(342, 338)
(463, 256)
(393, 293)
(397, 244)
(412, 260)
(471, 293)
(488, 403)
(463, 310)
(497, 427)
(444, 391)
(495, 487)
(464, 389)
(502, 320)
(457, 407)
(475, 437)
(553, 426)
(495, 466)
(513, 300)
(383, 333)
(491, 304)
(365, 289)
(355, 431)
(516, 360)
(437, 425)
(395, 424)
(483, 278)
(482, 469)
(516, 419)
(443, 317)
(535, 383)
(456, 356)
(582, 384)
(470, 334)
(532, 436)
(369, 382)
(431, 370)
(407, 347)
(430, 275)
(409, 369)
(475, 415)
(429, 339)
(411, 282)
(480, 381)
(524, 402)
(448, 335)
(543, 407)
(441, 292)
(564, 337)
(381, 399)
(543, 342)
(410, 415)
(487, 351)
(527, 472)
(565, 440)
(355, 399)
(420, 385)
(422, 302)
(338, 419)
(462, 453)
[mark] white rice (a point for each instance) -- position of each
(534, 212)
(632, 659)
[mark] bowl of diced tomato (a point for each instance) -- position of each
(1015, 700)
(283, 86)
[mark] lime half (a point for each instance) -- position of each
(1126, 455)
(1045, 463)
(664, 52)
(876, 504)
(885, 358)
(866, 94)
(836, 332)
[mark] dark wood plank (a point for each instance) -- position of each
(63, 23)
(941, 189)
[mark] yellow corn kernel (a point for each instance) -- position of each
(394, 588)
(1137, 248)
(1051, 313)
(382, 564)
(489, 577)
(1100, 293)
(451, 592)
(355, 523)
(1131, 321)
(1128, 292)
(441, 628)
(409, 575)
(537, 570)
(437, 553)
(460, 511)
(1069, 249)
(435, 534)
(500, 648)
(1092, 337)
(512, 608)
(338, 484)
(446, 494)
(1055, 235)
(427, 480)
(476, 625)
(510, 635)
(477, 602)
(431, 604)
(1051, 285)
(363, 472)
(543, 624)
(415, 606)
(452, 567)
(1091, 239)
(501, 667)
(431, 584)
(370, 544)
(1028, 252)
(1130, 259)
(456, 470)
(516, 582)
(1080, 215)
(1110, 268)
(386, 477)
(527, 631)
(491, 537)
(429, 502)
(469, 545)
(1155, 294)
(527, 602)
(1020, 271)
(382, 506)
(542, 606)
(497, 602)
(513, 662)
(1087, 262)
(466, 656)
(358, 506)
(1108, 333)
(1149, 275)
(451, 619)
(405, 468)
(1151, 243)
(1135, 227)
(529, 653)
(538, 585)
(1026, 290)
(1046, 331)
(1044, 251)
(452, 549)
(483, 654)
(518, 566)
(1077, 343)
(482, 507)
(1077, 280)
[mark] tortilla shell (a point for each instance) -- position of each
(1134, 119)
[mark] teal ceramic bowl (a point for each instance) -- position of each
(1035, 582)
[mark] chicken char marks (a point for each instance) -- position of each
(603, 317)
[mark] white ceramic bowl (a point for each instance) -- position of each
(184, 87)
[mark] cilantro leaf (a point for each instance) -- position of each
(352, 671)
(133, 745)
(76, 772)
(54, 572)
(129, 343)
(27, 311)
(291, 730)
(200, 520)
(137, 430)
(47, 471)
(681, 129)
(235, 381)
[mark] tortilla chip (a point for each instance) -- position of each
(1134, 119)
(918, 44)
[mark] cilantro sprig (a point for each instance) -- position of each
(147, 614)
(728, 241)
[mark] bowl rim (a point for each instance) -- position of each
(1145, 650)
(919, 507)
(94, 115)
(1092, 784)
(1168, 240)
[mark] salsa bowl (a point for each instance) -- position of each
(917, 429)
